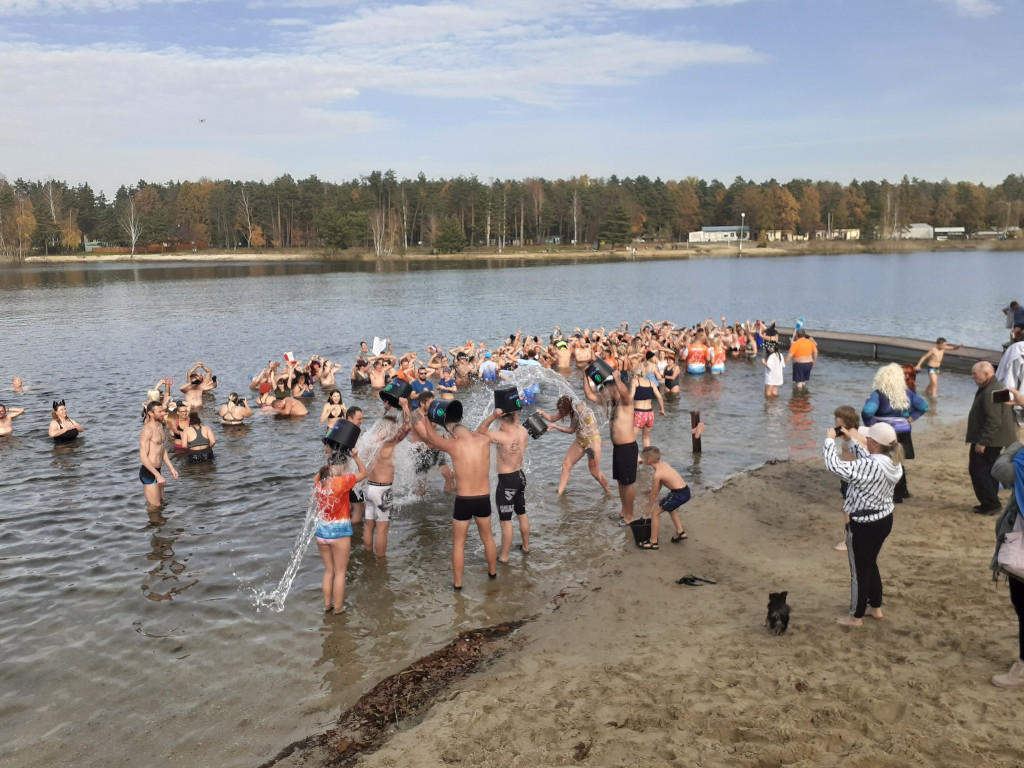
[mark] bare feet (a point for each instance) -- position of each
(840, 547)
(850, 621)
(874, 613)
(338, 613)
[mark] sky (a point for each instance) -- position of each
(113, 91)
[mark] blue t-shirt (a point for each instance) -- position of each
(418, 387)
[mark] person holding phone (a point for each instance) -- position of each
(990, 428)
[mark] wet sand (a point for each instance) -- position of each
(632, 669)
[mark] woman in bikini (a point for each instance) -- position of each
(644, 392)
(334, 409)
(583, 424)
(234, 410)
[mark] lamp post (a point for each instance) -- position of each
(743, 218)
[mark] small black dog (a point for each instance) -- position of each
(778, 612)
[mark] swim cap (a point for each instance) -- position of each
(264, 388)
(487, 355)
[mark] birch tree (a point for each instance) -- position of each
(130, 220)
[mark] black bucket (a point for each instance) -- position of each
(641, 528)
(599, 373)
(535, 425)
(445, 412)
(506, 397)
(344, 434)
(396, 388)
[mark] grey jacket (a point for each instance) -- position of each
(1003, 472)
(990, 424)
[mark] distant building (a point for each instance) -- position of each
(837, 234)
(719, 235)
(987, 235)
(782, 236)
(918, 232)
(950, 233)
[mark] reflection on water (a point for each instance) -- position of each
(153, 628)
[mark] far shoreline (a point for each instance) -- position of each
(644, 252)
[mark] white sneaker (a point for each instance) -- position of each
(1012, 679)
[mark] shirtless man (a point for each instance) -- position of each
(510, 494)
(196, 383)
(288, 406)
(471, 459)
(378, 374)
(153, 454)
(581, 351)
(425, 457)
(6, 428)
(625, 452)
(563, 356)
(326, 374)
(934, 362)
(377, 518)
(18, 384)
(356, 499)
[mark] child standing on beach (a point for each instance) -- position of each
(934, 358)
(847, 422)
(678, 494)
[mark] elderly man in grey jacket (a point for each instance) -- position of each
(990, 428)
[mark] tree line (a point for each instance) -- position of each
(387, 215)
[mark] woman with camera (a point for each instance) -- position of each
(871, 478)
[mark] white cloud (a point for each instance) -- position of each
(976, 8)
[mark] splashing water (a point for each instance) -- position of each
(274, 598)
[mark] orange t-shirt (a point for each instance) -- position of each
(697, 354)
(802, 348)
(332, 497)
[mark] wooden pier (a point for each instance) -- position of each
(891, 349)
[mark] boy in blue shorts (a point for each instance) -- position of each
(678, 494)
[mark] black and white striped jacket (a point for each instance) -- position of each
(871, 478)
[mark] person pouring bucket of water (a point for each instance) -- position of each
(471, 461)
(510, 493)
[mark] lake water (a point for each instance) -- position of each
(134, 638)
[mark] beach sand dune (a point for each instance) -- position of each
(633, 669)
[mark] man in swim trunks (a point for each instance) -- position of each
(510, 494)
(153, 454)
(425, 457)
(625, 452)
(934, 360)
(377, 518)
(471, 460)
(678, 494)
(6, 414)
(804, 353)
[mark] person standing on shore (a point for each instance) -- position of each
(510, 493)
(625, 451)
(871, 478)
(471, 462)
(1009, 470)
(990, 428)
(153, 455)
(804, 354)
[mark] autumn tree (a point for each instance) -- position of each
(810, 210)
(685, 207)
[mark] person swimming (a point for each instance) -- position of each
(62, 428)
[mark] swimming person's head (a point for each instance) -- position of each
(233, 398)
(335, 398)
(193, 419)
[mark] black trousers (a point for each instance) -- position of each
(863, 543)
(980, 466)
(1017, 598)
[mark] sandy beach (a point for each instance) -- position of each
(631, 668)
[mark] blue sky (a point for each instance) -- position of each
(111, 91)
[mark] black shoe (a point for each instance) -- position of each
(979, 510)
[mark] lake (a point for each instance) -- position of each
(135, 638)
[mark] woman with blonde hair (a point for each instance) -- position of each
(583, 424)
(894, 403)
